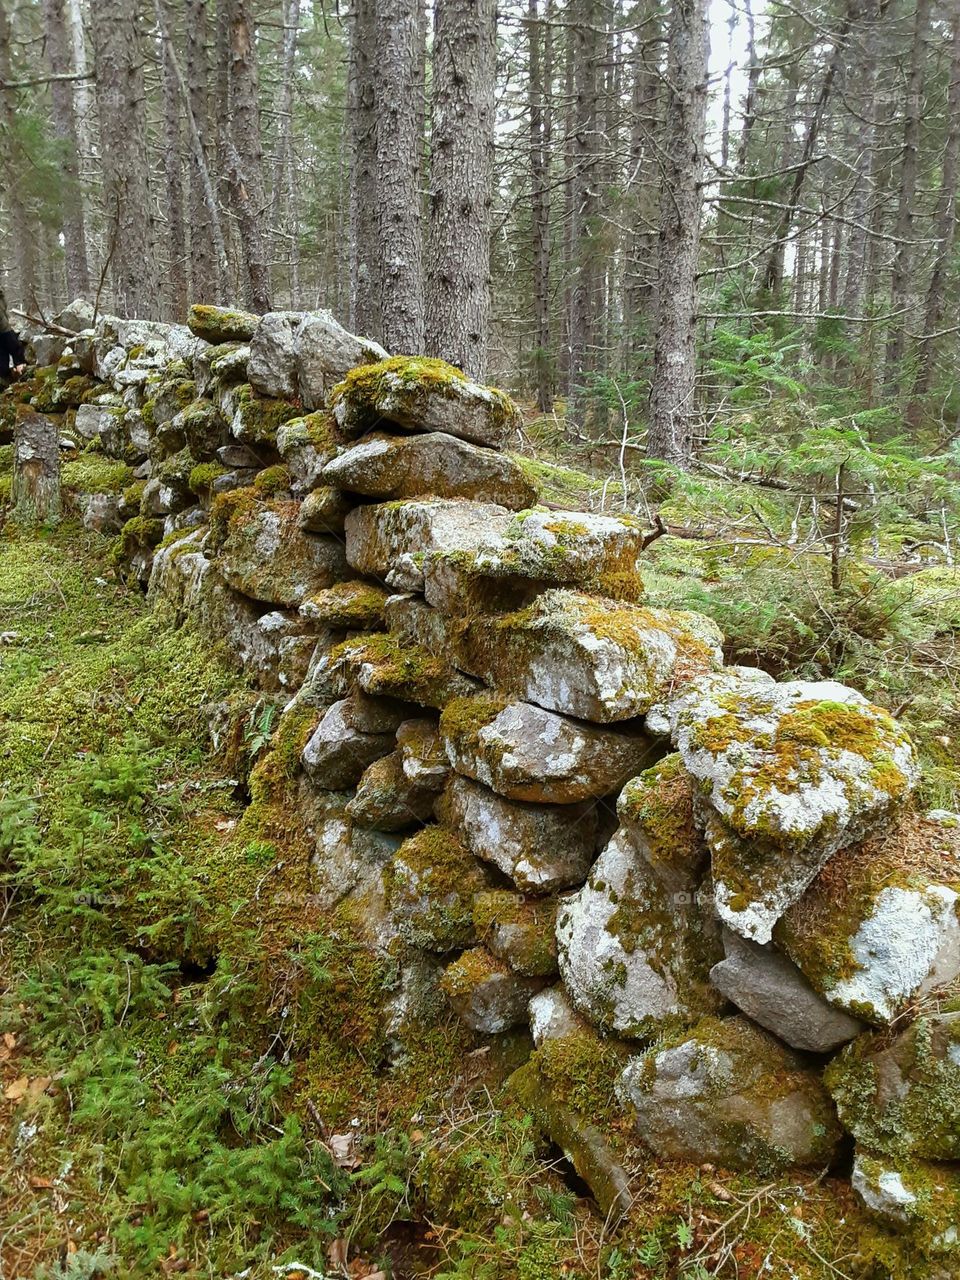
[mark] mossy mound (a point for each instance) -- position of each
(221, 324)
(430, 886)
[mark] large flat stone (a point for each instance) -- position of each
(523, 752)
(587, 656)
(390, 540)
(435, 464)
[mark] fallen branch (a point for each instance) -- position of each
(48, 325)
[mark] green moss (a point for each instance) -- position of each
(203, 475)
(221, 324)
(316, 429)
(463, 718)
(257, 418)
(353, 605)
(91, 473)
(272, 480)
(430, 885)
(520, 930)
(236, 505)
(387, 666)
(176, 470)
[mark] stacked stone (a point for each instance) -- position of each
(547, 801)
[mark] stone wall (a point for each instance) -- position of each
(555, 806)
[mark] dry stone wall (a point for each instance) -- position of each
(551, 803)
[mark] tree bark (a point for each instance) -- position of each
(285, 184)
(35, 492)
(674, 358)
(60, 59)
(123, 150)
(364, 314)
(587, 39)
(900, 281)
(173, 181)
(458, 283)
(15, 164)
(206, 284)
(399, 142)
(539, 209)
(244, 156)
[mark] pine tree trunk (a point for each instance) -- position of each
(944, 229)
(674, 357)
(901, 284)
(60, 59)
(364, 314)
(23, 234)
(458, 283)
(285, 185)
(173, 179)
(587, 52)
(244, 154)
(539, 210)
(123, 158)
(205, 282)
(641, 267)
(399, 142)
(35, 493)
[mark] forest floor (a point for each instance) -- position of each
(193, 1071)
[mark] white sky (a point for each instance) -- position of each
(724, 50)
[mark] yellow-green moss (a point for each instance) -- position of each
(91, 473)
(221, 324)
(272, 480)
(203, 475)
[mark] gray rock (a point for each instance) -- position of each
(430, 885)
(764, 984)
(348, 859)
(552, 1016)
(519, 930)
(425, 396)
(485, 992)
(388, 800)
(542, 848)
(94, 420)
(789, 774)
(101, 512)
(324, 352)
(435, 464)
(270, 367)
(325, 510)
(268, 557)
(76, 316)
(729, 1093)
(423, 754)
(337, 753)
(523, 752)
(586, 656)
(389, 540)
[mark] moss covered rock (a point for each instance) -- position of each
(422, 752)
(221, 324)
(789, 774)
(338, 751)
(430, 886)
(486, 993)
(519, 930)
(523, 752)
(879, 926)
(915, 1197)
(587, 656)
(263, 552)
(355, 606)
(325, 510)
(387, 800)
(729, 1093)
(900, 1096)
(390, 540)
(384, 666)
(420, 394)
(256, 419)
(434, 464)
(541, 848)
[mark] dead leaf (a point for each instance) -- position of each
(41, 1184)
(9, 1039)
(337, 1252)
(15, 1091)
(38, 1086)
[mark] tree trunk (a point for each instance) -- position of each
(244, 154)
(674, 357)
(539, 210)
(364, 315)
(641, 266)
(60, 59)
(399, 142)
(284, 182)
(901, 285)
(587, 52)
(458, 282)
(944, 229)
(123, 158)
(35, 493)
(206, 284)
(15, 164)
(173, 180)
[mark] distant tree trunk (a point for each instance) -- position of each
(674, 357)
(944, 229)
(173, 179)
(205, 282)
(15, 165)
(539, 208)
(399, 141)
(364, 316)
(461, 172)
(60, 59)
(35, 492)
(901, 284)
(750, 97)
(285, 184)
(244, 156)
(123, 158)
(641, 267)
(587, 39)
